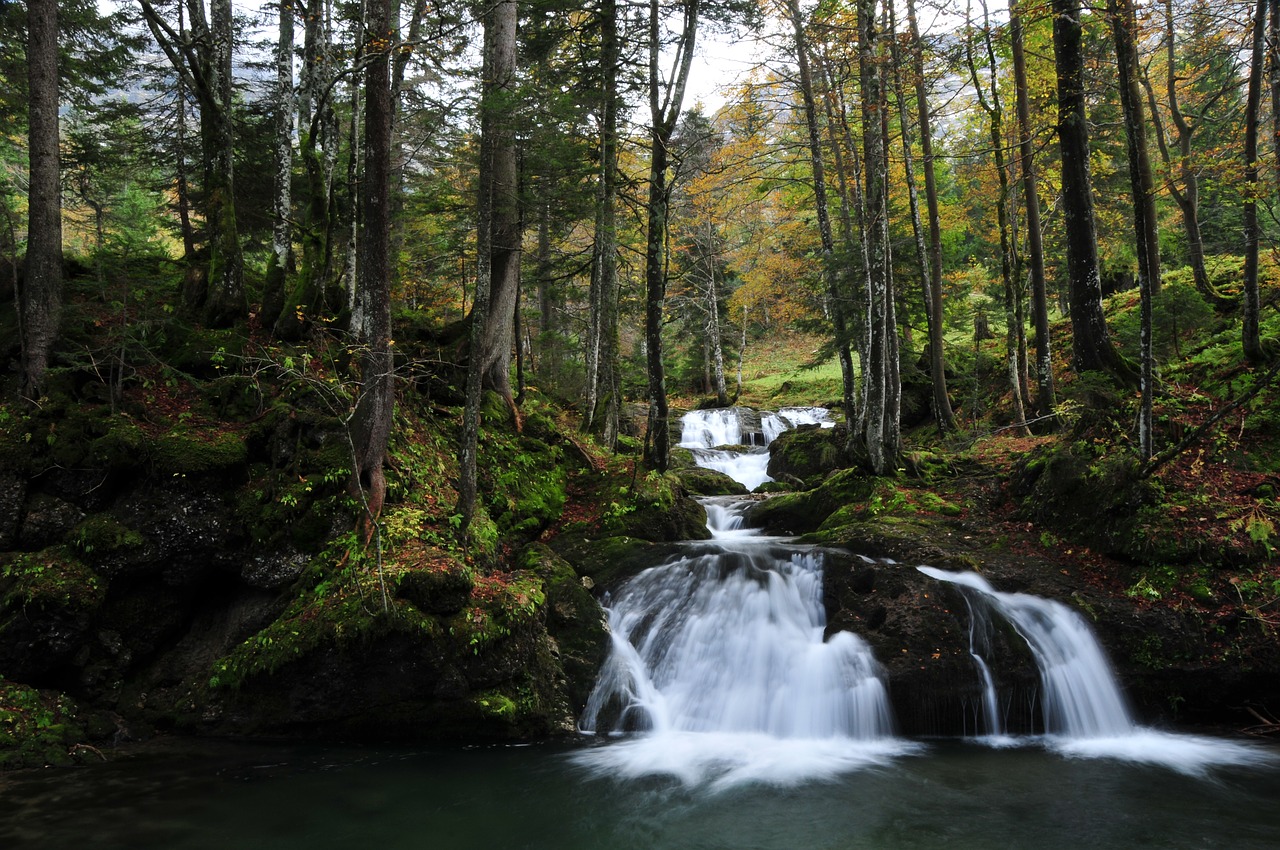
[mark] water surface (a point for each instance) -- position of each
(197, 795)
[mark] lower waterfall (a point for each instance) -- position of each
(1084, 711)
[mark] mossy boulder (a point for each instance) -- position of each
(48, 600)
(181, 452)
(797, 513)
(39, 728)
(575, 622)
(709, 482)
(807, 453)
(609, 561)
(435, 582)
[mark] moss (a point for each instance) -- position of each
(807, 453)
(495, 705)
(186, 453)
(51, 579)
(124, 446)
(796, 513)
(709, 482)
(37, 728)
(102, 534)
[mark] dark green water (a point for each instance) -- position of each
(952, 794)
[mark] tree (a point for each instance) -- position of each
(835, 299)
(666, 99)
(1045, 394)
(376, 404)
(285, 107)
(41, 296)
(1123, 24)
(991, 105)
(203, 57)
(496, 247)
(1091, 343)
(1250, 339)
(880, 423)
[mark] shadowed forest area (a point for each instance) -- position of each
(346, 344)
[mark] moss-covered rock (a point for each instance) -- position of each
(181, 452)
(39, 728)
(47, 603)
(609, 561)
(797, 513)
(807, 453)
(575, 622)
(435, 582)
(709, 482)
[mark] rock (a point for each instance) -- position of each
(273, 571)
(47, 521)
(797, 513)
(808, 453)
(709, 482)
(13, 495)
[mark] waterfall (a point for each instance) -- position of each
(706, 432)
(1081, 698)
(719, 662)
(1084, 712)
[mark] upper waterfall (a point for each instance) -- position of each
(706, 432)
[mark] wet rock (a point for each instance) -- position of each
(47, 521)
(274, 570)
(13, 495)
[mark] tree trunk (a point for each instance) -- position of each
(225, 301)
(1046, 396)
(1250, 339)
(713, 323)
(836, 303)
(505, 230)
(604, 409)
(881, 419)
(282, 218)
(41, 301)
(374, 409)
(1142, 187)
(1091, 345)
(995, 116)
(665, 103)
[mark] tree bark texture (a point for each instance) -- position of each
(375, 407)
(1091, 344)
(1046, 395)
(41, 301)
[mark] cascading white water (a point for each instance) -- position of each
(1081, 698)
(719, 657)
(1084, 711)
(703, 431)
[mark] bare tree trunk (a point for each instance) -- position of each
(495, 350)
(665, 103)
(41, 301)
(375, 407)
(1250, 339)
(1091, 345)
(282, 217)
(1142, 187)
(713, 323)
(835, 301)
(1046, 396)
(604, 386)
(942, 414)
(880, 423)
(991, 105)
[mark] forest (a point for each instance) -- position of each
(346, 331)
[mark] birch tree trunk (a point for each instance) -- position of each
(282, 216)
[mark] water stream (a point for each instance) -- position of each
(723, 721)
(719, 656)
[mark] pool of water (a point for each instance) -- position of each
(183, 795)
